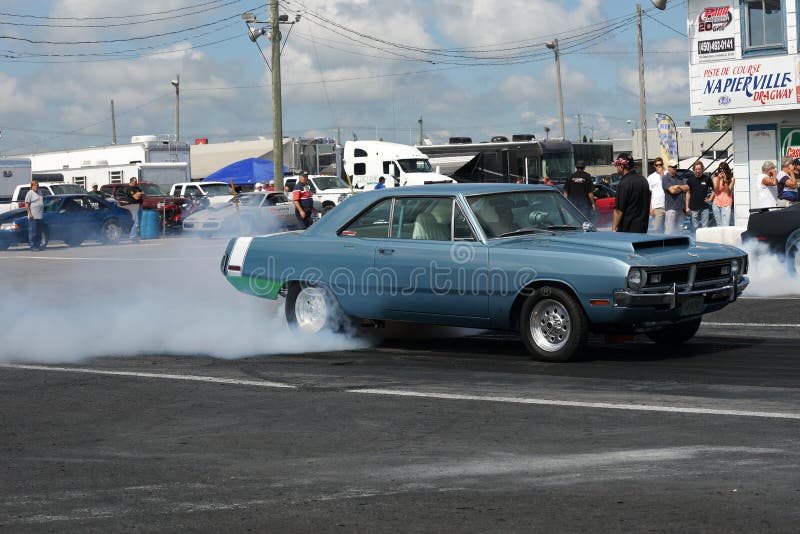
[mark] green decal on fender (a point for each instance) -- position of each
(267, 289)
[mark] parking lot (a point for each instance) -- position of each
(142, 393)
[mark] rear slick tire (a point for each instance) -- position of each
(313, 309)
(553, 326)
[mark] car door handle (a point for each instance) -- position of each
(385, 251)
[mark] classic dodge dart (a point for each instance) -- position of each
(506, 257)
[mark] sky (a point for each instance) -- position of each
(365, 68)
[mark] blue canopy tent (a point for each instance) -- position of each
(245, 172)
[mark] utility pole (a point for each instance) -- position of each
(642, 102)
(176, 83)
(553, 45)
(113, 125)
(277, 117)
(580, 133)
(420, 129)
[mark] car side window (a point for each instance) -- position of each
(427, 219)
(461, 228)
(599, 192)
(374, 222)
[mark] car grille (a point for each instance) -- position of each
(688, 277)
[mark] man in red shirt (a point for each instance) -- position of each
(303, 200)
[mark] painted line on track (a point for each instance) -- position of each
(135, 374)
(577, 404)
(754, 325)
(418, 394)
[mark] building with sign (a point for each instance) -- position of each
(744, 62)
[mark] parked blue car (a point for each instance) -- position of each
(69, 218)
(505, 257)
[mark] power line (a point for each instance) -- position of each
(113, 17)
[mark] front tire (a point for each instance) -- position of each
(675, 334)
(110, 233)
(553, 326)
(313, 309)
(793, 257)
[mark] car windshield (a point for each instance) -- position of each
(415, 165)
(251, 199)
(329, 182)
(67, 189)
(217, 190)
(152, 190)
(515, 213)
(558, 166)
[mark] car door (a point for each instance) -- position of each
(432, 262)
(69, 221)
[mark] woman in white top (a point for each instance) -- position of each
(768, 186)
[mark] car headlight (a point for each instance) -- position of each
(10, 227)
(635, 279)
(736, 267)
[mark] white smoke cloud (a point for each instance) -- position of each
(178, 303)
(769, 276)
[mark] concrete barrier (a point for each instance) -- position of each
(723, 235)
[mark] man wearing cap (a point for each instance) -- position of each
(302, 196)
(657, 211)
(674, 199)
(632, 204)
(578, 190)
(271, 186)
(259, 187)
(787, 183)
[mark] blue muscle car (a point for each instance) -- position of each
(506, 257)
(69, 218)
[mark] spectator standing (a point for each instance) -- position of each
(578, 190)
(258, 188)
(34, 205)
(655, 181)
(271, 186)
(767, 186)
(723, 194)
(95, 191)
(701, 192)
(381, 183)
(787, 184)
(135, 198)
(303, 200)
(674, 199)
(632, 205)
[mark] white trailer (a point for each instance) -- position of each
(367, 161)
(13, 172)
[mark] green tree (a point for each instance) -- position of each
(719, 122)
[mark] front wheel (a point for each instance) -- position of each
(313, 309)
(793, 257)
(676, 334)
(110, 233)
(553, 326)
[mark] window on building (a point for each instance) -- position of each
(115, 177)
(80, 180)
(763, 25)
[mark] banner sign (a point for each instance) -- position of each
(713, 34)
(667, 137)
(746, 86)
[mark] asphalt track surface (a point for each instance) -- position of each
(420, 430)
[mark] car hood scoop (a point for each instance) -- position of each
(623, 242)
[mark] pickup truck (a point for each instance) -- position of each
(327, 190)
(45, 188)
(169, 208)
(217, 193)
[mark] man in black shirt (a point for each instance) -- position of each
(632, 205)
(699, 195)
(578, 190)
(135, 198)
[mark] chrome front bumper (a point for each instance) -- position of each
(673, 298)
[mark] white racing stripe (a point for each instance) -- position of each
(422, 394)
(190, 378)
(577, 404)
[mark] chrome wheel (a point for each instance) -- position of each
(110, 232)
(312, 309)
(550, 325)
